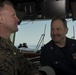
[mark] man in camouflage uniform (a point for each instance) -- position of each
(12, 62)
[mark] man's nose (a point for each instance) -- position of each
(55, 32)
(18, 20)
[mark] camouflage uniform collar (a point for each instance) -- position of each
(3, 39)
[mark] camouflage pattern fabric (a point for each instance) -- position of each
(12, 62)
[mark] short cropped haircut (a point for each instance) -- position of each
(60, 18)
(5, 3)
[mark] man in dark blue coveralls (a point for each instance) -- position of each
(59, 53)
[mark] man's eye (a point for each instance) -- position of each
(58, 29)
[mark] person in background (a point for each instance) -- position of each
(60, 52)
(12, 62)
(25, 45)
(20, 45)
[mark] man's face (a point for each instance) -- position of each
(58, 31)
(9, 19)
